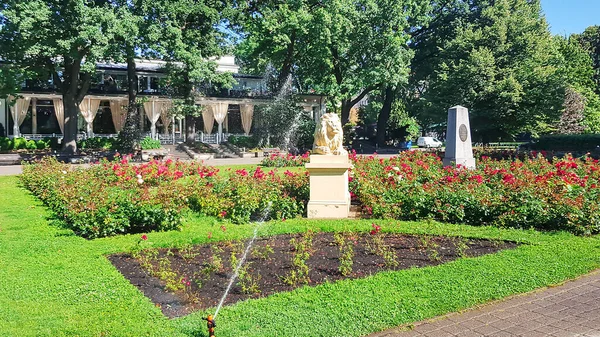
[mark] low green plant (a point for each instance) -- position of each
(461, 246)
(247, 281)
(302, 250)
(159, 267)
(150, 144)
(188, 252)
(346, 254)
(430, 247)
(263, 253)
(243, 141)
(97, 143)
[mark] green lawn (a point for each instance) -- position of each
(53, 283)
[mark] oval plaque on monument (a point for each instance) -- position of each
(462, 132)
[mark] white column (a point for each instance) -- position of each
(153, 125)
(3, 120)
(173, 128)
(34, 128)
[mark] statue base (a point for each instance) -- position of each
(329, 195)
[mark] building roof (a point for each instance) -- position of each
(224, 64)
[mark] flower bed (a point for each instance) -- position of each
(192, 278)
(559, 195)
(118, 197)
(111, 197)
(281, 160)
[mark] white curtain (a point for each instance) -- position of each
(247, 112)
(19, 112)
(152, 110)
(118, 110)
(208, 118)
(165, 116)
(59, 112)
(89, 108)
(220, 111)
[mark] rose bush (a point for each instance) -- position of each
(288, 160)
(111, 197)
(550, 195)
(119, 197)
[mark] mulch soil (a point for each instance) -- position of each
(207, 285)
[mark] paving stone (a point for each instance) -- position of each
(571, 309)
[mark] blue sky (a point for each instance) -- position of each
(571, 16)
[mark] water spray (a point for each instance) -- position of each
(210, 320)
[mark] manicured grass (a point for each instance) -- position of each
(53, 283)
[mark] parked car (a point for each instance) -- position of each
(428, 142)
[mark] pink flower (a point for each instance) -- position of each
(223, 228)
(144, 237)
(222, 215)
(375, 229)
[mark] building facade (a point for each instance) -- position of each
(39, 113)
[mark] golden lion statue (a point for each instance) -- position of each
(329, 136)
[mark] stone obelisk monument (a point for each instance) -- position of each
(459, 150)
(328, 168)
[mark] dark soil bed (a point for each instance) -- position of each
(181, 281)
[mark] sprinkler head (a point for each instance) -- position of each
(210, 324)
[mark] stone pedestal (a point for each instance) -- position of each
(329, 195)
(459, 150)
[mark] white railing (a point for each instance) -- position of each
(164, 139)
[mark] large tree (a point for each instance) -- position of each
(190, 41)
(581, 100)
(57, 39)
(497, 58)
(344, 49)
(590, 41)
(131, 37)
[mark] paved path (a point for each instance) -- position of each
(572, 309)
(16, 169)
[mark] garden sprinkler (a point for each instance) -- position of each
(210, 324)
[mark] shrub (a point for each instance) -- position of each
(563, 195)
(97, 143)
(31, 145)
(245, 195)
(19, 143)
(585, 142)
(280, 160)
(243, 141)
(41, 145)
(112, 197)
(150, 144)
(6, 144)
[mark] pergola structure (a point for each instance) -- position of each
(109, 94)
(215, 109)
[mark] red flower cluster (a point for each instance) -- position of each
(534, 192)
(375, 229)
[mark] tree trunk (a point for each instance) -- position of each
(131, 133)
(69, 143)
(190, 120)
(346, 107)
(190, 130)
(384, 116)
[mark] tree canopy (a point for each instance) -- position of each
(344, 49)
